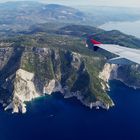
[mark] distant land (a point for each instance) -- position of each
(21, 15)
(104, 14)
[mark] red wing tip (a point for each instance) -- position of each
(95, 42)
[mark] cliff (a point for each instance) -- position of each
(24, 90)
(31, 72)
(128, 74)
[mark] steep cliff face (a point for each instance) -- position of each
(39, 71)
(128, 74)
(109, 72)
(24, 90)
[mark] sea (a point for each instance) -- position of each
(127, 27)
(55, 118)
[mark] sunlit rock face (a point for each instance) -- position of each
(24, 90)
(109, 72)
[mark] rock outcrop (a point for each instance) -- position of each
(52, 87)
(24, 90)
(109, 72)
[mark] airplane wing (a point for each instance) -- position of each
(120, 61)
(124, 53)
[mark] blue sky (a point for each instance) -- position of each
(123, 3)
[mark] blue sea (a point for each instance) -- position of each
(55, 118)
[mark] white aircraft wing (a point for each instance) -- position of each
(126, 55)
(123, 52)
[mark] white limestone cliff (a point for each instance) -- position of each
(53, 86)
(109, 72)
(24, 90)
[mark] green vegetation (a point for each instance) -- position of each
(94, 66)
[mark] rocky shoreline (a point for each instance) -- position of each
(25, 89)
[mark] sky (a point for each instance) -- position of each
(122, 3)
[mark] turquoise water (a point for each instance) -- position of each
(131, 28)
(55, 118)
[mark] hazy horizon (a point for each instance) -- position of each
(118, 3)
